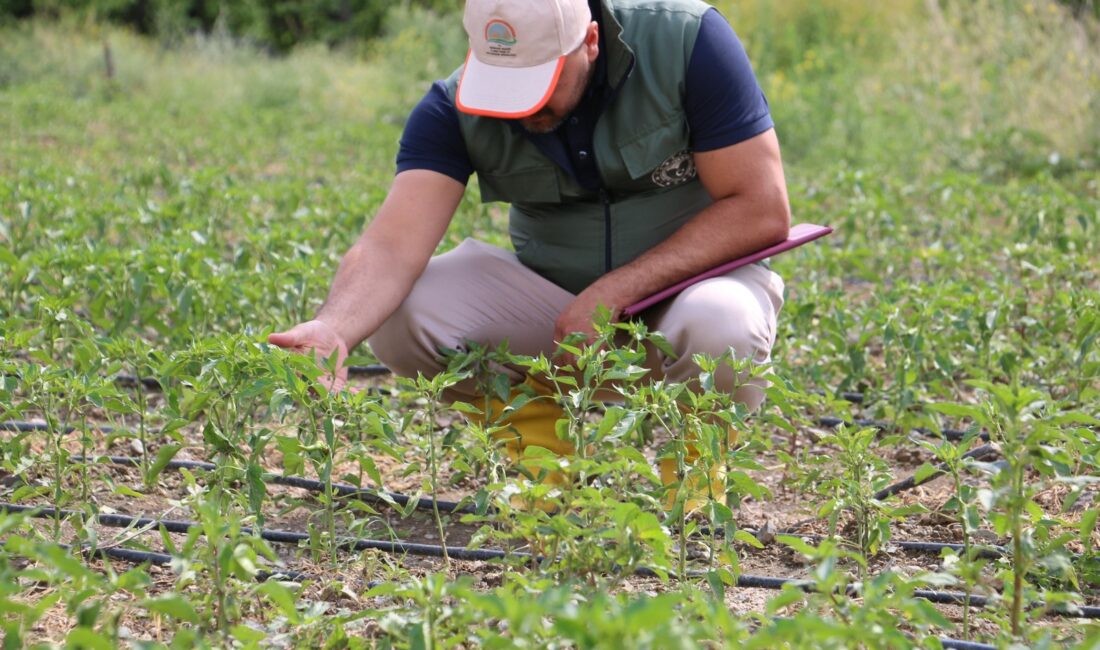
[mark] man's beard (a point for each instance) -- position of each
(544, 121)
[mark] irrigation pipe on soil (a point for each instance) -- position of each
(424, 503)
(141, 557)
(342, 489)
(984, 451)
(272, 535)
(460, 553)
(830, 422)
(375, 370)
(428, 504)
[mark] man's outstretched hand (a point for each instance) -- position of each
(322, 339)
(580, 316)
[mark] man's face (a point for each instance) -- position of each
(575, 76)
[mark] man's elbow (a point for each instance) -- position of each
(778, 223)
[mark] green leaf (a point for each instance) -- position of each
(1088, 525)
(84, 637)
(173, 605)
(464, 407)
(745, 537)
(716, 585)
(786, 598)
(164, 456)
(661, 343)
(1074, 417)
(247, 635)
(797, 544)
(501, 387)
(291, 447)
(127, 491)
(282, 598)
(257, 489)
(924, 472)
(212, 436)
(956, 410)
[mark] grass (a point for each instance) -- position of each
(164, 219)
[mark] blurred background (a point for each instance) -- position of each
(997, 87)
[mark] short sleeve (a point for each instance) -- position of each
(433, 140)
(722, 99)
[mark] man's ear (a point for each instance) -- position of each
(592, 41)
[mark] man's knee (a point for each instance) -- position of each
(400, 342)
(739, 337)
(411, 339)
(716, 320)
(719, 319)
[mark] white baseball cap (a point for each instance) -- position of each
(517, 50)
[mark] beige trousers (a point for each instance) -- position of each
(478, 292)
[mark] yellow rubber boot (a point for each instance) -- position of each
(532, 425)
(698, 490)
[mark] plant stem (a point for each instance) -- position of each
(1018, 560)
(141, 422)
(967, 557)
(84, 456)
(681, 497)
(434, 469)
(55, 451)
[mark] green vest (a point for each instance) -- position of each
(571, 235)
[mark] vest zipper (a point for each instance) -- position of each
(606, 198)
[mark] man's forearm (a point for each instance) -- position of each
(378, 272)
(750, 212)
(369, 285)
(730, 228)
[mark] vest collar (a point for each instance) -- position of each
(620, 58)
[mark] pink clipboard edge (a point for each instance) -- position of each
(799, 234)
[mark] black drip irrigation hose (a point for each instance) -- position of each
(461, 553)
(134, 556)
(985, 451)
(342, 489)
(378, 370)
(272, 535)
(131, 381)
(428, 504)
(30, 427)
(830, 422)
(984, 551)
(855, 398)
(373, 370)
(423, 503)
(956, 644)
(293, 538)
(743, 581)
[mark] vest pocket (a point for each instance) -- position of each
(539, 185)
(664, 146)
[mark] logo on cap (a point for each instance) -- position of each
(500, 32)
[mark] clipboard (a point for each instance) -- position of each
(799, 234)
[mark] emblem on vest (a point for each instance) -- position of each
(678, 169)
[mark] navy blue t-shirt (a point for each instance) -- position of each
(722, 101)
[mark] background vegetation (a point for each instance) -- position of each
(179, 179)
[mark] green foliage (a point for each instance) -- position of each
(159, 222)
(278, 26)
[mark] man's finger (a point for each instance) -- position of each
(283, 339)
